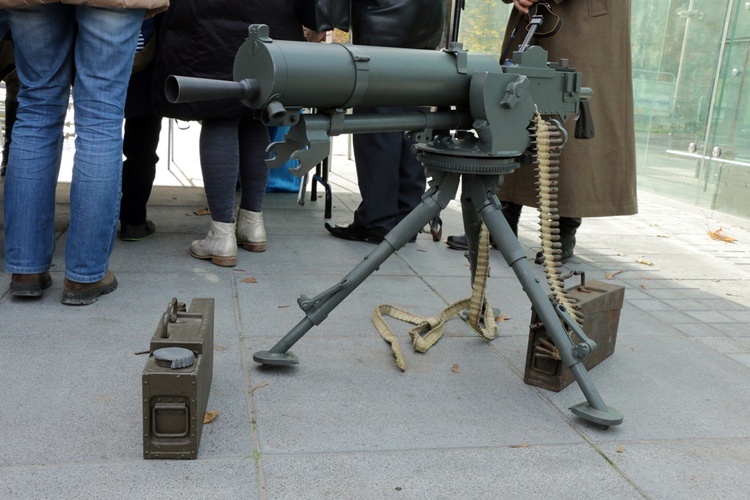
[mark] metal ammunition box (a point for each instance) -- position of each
(600, 303)
(175, 398)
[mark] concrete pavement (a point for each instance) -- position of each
(345, 422)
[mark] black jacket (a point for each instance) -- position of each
(200, 38)
(414, 24)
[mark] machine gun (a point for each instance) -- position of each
(476, 133)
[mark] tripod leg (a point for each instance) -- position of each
(317, 308)
(489, 209)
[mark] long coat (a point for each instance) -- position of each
(597, 176)
(200, 39)
(152, 6)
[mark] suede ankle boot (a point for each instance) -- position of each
(251, 234)
(220, 245)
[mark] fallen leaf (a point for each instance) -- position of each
(500, 318)
(262, 384)
(720, 236)
(202, 211)
(641, 260)
(455, 369)
(610, 276)
(644, 286)
(210, 416)
(249, 280)
(621, 449)
(523, 445)
(219, 348)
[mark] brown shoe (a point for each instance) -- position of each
(29, 285)
(82, 294)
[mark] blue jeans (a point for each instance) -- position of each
(48, 46)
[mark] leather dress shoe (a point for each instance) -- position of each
(29, 285)
(353, 233)
(459, 242)
(136, 232)
(82, 294)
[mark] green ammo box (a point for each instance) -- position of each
(177, 381)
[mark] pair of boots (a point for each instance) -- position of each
(220, 245)
(512, 212)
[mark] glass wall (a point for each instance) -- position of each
(691, 92)
(692, 108)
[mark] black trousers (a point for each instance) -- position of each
(391, 180)
(139, 168)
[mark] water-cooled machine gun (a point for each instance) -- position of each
(475, 131)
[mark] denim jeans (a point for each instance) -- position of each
(48, 46)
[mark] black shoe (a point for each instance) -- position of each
(458, 242)
(353, 233)
(136, 232)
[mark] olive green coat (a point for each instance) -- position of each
(597, 176)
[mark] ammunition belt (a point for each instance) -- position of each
(430, 329)
(549, 140)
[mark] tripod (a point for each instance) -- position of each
(479, 178)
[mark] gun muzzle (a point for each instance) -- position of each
(180, 89)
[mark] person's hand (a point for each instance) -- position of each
(523, 5)
(314, 36)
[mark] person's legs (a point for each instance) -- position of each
(140, 142)
(254, 139)
(104, 50)
(512, 213)
(220, 158)
(568, 228)
(377, 160)
(9, 75)
(411, 181)
(7, 61)
(220, 161)
(44, 38)
(377, 157)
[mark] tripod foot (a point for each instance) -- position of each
(275, 358)
(603, 418)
